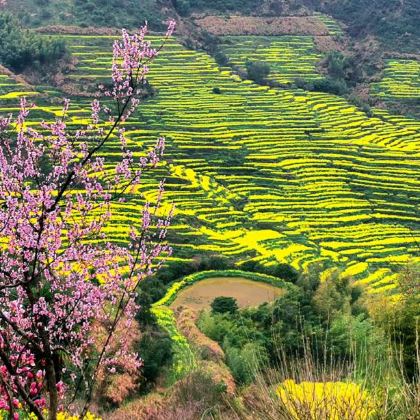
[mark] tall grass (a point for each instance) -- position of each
(366, 386)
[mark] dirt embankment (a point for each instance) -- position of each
(186, 319)
(15, 77)
(328, 43)
(78, 30)
(251, 25)
(211, 354)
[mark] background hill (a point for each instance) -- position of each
(394, 22)
(110, 13)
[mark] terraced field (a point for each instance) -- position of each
(290, 57)
(11, 90)
(246, 292)
(334, 29)
(276, 175)
(401, 80)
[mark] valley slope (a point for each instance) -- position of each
(274, 175)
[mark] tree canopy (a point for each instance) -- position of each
(20, 48)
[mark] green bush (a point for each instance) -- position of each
(118, 13)
(221, 59)
(280, 270)
(244, 344)
(246, 362)
(330, 85)
(215, 326)
(150, 290)
(155, 349)
(257, 70)
(179, 269)
(224, 305)
(337, 64)
(184, 7)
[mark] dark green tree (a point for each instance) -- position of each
(257, 70)
(224, 305)
(21, 48)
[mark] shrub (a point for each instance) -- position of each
(216, 327)
(246, 362)
(224, 305)
(114, 13)
(284, 271)
(280, 270)
(183, 7)
(330, 85)
(217, 90)
(155, 349)
(336, 65)
(301, 83)
(257, 70)
(187, 6)
(150, 291)
(221, 59)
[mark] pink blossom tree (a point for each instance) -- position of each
(59, 273)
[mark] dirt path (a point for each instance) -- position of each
(246, 292)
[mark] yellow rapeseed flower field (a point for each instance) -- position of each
(326, 400)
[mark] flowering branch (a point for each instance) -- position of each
(59, 274)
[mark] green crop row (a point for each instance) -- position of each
(183, 357)
(289, 57)
(401, 80)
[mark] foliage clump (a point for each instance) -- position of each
(311, 316)
(257, 70)
(185, 7)
(20, 48)
(224, 305)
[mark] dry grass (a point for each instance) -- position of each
(327, 44)
(330, 390)
(250, 25)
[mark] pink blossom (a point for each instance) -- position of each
(59, 274)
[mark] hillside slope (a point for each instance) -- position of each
(394, 22)
(113, 13)
(280, 175)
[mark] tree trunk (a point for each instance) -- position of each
(52, 389)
